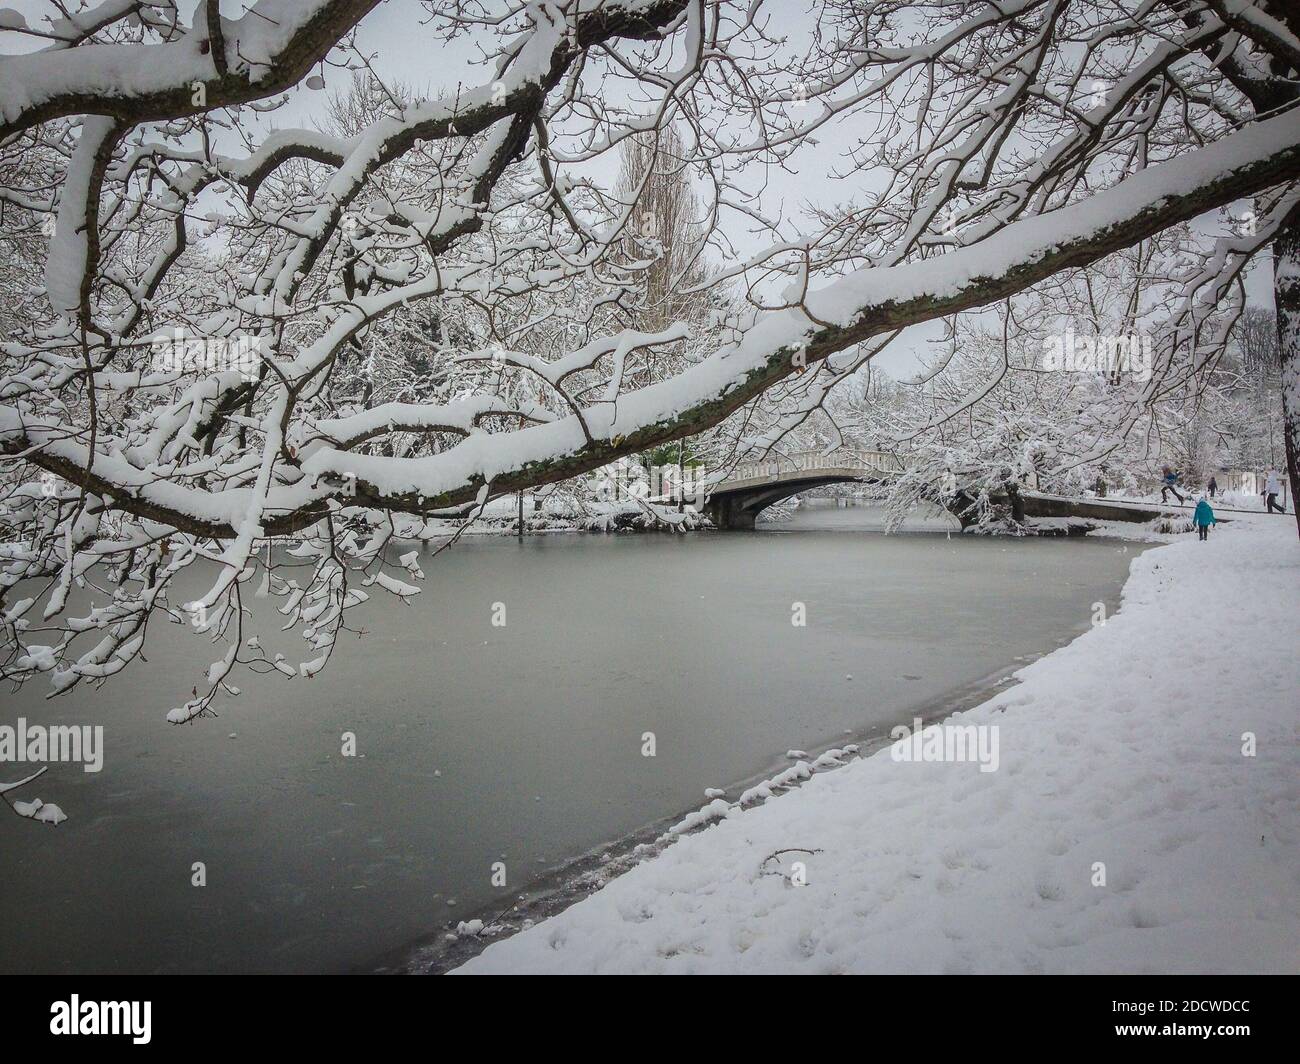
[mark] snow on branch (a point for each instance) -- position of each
(345, 335)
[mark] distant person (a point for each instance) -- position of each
(1272, 488)
(1169, 483)
(1203, 518)
(1213, 486)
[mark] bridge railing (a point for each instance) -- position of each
(810, 461)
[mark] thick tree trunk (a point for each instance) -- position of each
(1286, 294)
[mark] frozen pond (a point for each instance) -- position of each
(479, 744)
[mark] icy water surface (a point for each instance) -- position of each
(480, 744)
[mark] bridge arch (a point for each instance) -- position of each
(735, 503)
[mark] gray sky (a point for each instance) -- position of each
(407, 53)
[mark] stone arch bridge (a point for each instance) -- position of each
(736, 502)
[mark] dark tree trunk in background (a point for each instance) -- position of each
(1017, 502)
(681, 476)
(1286, 294)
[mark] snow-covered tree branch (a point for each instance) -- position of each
(190, 357)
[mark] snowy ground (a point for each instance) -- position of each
(1227, 501)
(1124, 749)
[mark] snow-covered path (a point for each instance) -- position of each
(1124, 748)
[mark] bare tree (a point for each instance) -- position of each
(668, 230)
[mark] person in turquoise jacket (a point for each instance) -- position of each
(1203, 518)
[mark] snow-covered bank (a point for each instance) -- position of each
(1121, 754)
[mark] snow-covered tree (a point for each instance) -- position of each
(1051, 390)
(987, 148)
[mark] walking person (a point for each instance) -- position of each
(1169, 481)
(1272, 488)
(1213, 485)
(1203, 518)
